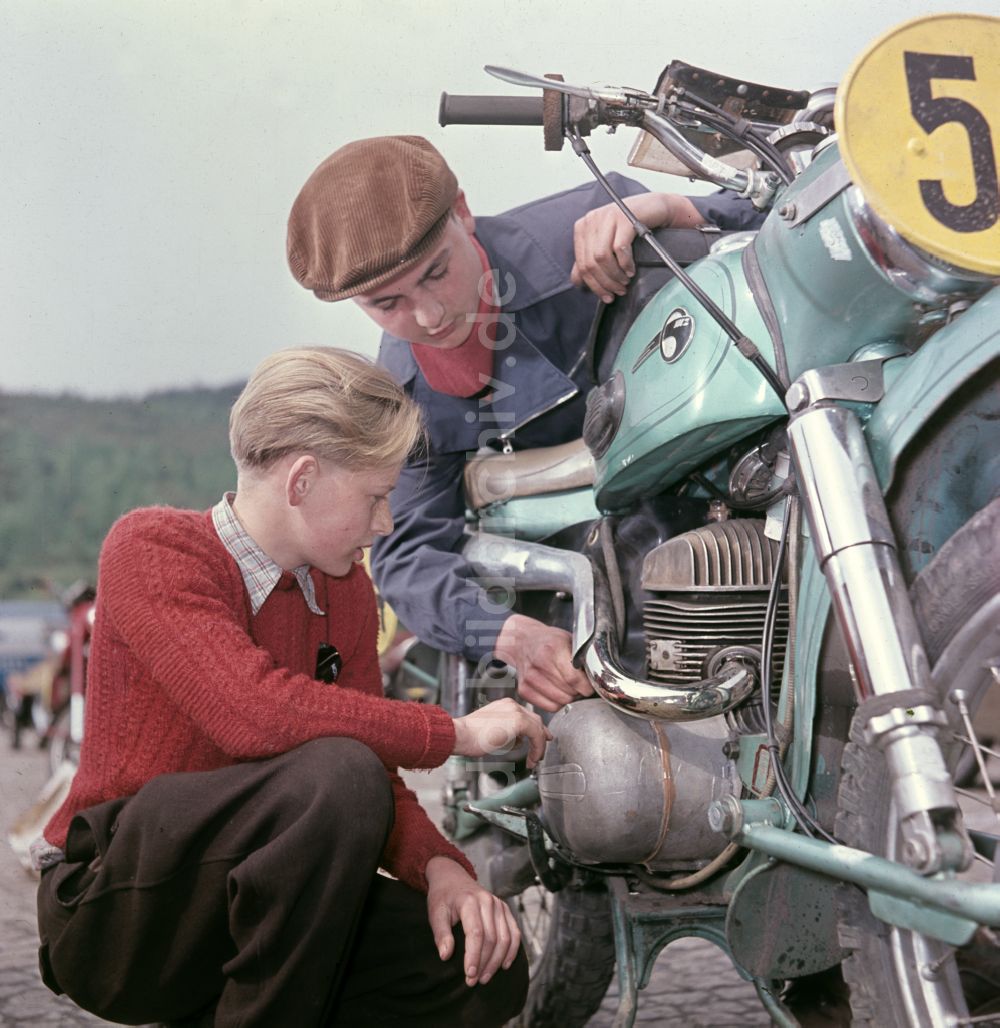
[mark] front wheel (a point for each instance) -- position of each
(568, 936)
(569, 939)
(897, 977)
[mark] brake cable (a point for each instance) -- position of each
(743, 343)
(803, 818)
(724, 122)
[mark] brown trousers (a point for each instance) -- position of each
(249, 896)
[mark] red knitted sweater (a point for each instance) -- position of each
(182, 677)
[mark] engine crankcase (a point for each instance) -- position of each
(618, 789)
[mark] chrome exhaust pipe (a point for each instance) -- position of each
(595, 640)
(732, 684)
(535, 566)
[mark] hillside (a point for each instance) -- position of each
(70, 466)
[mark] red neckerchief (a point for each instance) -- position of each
(466, 369)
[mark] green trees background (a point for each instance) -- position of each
(69, 467)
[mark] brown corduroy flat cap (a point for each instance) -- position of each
(371, 210)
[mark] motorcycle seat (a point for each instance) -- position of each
(491, 477)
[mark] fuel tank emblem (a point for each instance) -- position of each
(672, 339)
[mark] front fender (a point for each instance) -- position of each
(935, 436)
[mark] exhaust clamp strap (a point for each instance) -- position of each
(881, 714)
(875, 706)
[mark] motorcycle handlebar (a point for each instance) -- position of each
(490, 110)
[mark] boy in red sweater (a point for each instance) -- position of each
(216, 859)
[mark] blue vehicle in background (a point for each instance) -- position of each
(26, 637)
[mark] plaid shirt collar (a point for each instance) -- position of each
(260, 573)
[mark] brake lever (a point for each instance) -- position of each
(611, 96)
(523, 78)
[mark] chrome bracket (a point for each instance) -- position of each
(818, 193)
(855, 382)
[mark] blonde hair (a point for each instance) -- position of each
(331, 403)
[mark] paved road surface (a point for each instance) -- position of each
(693, 985)
(23, 998)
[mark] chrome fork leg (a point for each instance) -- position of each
(856, 549)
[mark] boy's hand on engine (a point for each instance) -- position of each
(542, 656)
(496, 729)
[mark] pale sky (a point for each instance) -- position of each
(150, 151)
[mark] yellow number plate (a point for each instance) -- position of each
(918, 117)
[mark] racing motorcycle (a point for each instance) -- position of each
(778, 550)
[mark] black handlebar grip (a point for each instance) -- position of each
(490, 110)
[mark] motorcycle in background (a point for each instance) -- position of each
(65, 731)
(60, 721)
(49, 696)
(778, 550)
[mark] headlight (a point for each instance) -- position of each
(605, 406)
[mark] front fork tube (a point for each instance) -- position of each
(856, 549)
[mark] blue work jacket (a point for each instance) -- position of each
(538, 399)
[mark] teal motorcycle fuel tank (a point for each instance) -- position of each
(684, 391)
(823, 280)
